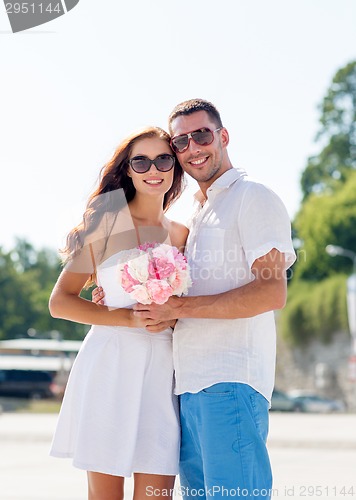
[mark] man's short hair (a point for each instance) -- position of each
(193, 106)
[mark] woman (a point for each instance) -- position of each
(119, 415)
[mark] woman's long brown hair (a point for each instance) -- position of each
(114, 176)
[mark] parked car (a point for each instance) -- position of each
(282, 402)
(26, 383)
(309, 402)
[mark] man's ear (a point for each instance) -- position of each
(225, 139)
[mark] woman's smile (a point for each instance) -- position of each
(153, 181)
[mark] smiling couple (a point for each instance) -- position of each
(140, 400)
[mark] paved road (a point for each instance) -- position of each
(313, 457)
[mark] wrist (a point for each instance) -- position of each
(131, 319)
(122, 317)
(180, 307)
(196, 307)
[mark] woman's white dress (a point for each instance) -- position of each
(119, 414)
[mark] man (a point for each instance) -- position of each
(239, 248)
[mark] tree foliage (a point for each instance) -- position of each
(315, 310)
(323, 220)
(316, 304)
(27, 277)
(326, 171)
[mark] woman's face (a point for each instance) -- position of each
(153, 182)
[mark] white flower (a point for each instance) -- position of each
(138, 267)
(141, 294)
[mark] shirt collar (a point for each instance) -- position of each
(223, 182)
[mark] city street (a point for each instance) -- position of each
(313, 456)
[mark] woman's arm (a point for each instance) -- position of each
(178, 235)
(65, 303)
(98, 295)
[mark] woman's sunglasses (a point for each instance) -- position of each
(141, 164)
(203, 137)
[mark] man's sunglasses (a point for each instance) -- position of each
(141, 164)
(203, 137)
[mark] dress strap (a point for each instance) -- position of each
(94, 276)
(137, 234)
(92, 257)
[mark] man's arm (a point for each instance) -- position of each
(267, 292)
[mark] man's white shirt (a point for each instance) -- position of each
(240, 221)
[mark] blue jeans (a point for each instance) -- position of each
(223, 450)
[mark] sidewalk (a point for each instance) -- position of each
(286, 429)
(305, 449)
(311, 430)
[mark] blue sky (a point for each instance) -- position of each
(73, 88)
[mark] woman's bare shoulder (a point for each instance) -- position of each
(179, 227)
(178, 234)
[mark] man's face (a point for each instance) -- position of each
(203, 163)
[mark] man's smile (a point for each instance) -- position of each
(198, 161)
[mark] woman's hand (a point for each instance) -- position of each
(153, 326)
(97, 295)
(162, 325)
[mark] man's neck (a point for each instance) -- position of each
(204, 186)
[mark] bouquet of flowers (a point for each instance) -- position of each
(153, 272)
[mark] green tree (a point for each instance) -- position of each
(315, 310)
(326, 171)
(316, 304)
(15, 309)
(323, 220)
(27, 277)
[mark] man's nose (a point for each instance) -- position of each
(193, 147)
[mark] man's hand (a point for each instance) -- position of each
(167, 311)
(152, 325)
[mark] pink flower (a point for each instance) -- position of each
(177, 283)
(140, 293)
(160, 268)
(180, 282)
(127, 281)
(146, 246)
(159, 290)
(179, 259)
(153, 272)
